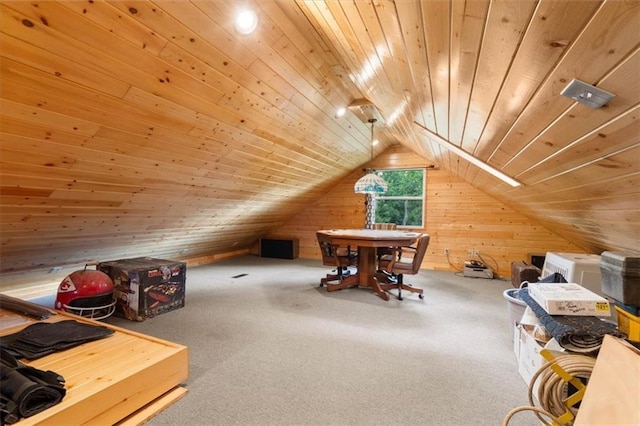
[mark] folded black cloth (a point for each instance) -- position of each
(25, 391)
(43, 338)
(574, 333)
(556, 277)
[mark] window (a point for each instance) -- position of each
(403, 203)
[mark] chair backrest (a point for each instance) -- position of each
(421, 250)
(385, 226)
(327, 250)
(413, 267)
(335, 255)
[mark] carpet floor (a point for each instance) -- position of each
(268, 346)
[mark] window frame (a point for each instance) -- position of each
(422, 198)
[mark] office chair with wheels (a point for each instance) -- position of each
(404, 260)
(338, 256)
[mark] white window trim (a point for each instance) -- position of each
(423, 198)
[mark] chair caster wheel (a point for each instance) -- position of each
(321, 284)
(421, 296)
(400, 298)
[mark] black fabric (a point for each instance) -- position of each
(553, 278)
(25, 390)
(574, 333)
(23, 307)
(556, 277)
(42, 338)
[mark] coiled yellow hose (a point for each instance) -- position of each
(552, 389)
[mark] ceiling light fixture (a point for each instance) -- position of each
(365, 110)
(470, 158)
(246, 22)
(586, 94)
(371, 183)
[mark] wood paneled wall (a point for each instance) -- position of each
(151, 128)
(458, 217)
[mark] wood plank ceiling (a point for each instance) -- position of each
(152, 128)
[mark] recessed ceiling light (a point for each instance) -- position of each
(341, 112)
(246, 21)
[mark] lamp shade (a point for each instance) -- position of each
(370, 183)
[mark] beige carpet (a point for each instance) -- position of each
(272, 348)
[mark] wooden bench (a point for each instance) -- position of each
(124, 379)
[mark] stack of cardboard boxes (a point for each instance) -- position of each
(556, 299)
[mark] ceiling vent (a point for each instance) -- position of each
(586, 94)
(365, 111)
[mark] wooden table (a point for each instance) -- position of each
(367, 240)
(613, 392)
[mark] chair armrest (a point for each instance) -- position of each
(405, 249)
(396, 255)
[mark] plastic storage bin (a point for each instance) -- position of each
(621, 276)
(629, 324)
(515, 307)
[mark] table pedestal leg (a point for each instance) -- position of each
(365, 277)
(349, 281)
(367, 269)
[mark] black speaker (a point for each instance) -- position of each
(538, 260)
(285, 248)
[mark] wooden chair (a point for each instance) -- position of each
(404, 260)
(391, 226)
(339, 257)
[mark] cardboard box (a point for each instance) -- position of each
(522, 271)
(527, 350)
(569, 299)
(146, 287)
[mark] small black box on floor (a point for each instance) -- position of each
(146, 287)
(279, 248)
(621, 276)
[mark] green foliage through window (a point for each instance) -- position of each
(403, 203)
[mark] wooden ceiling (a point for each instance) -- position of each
(152, 128)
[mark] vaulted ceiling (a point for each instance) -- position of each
(140, 127)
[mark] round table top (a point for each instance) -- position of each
(371, 234)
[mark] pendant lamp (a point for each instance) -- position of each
(370, 183)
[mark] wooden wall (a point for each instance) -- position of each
(458, 217)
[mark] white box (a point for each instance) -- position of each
(569, 299)
(583, 269)
(477, 272)
(527, 350)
